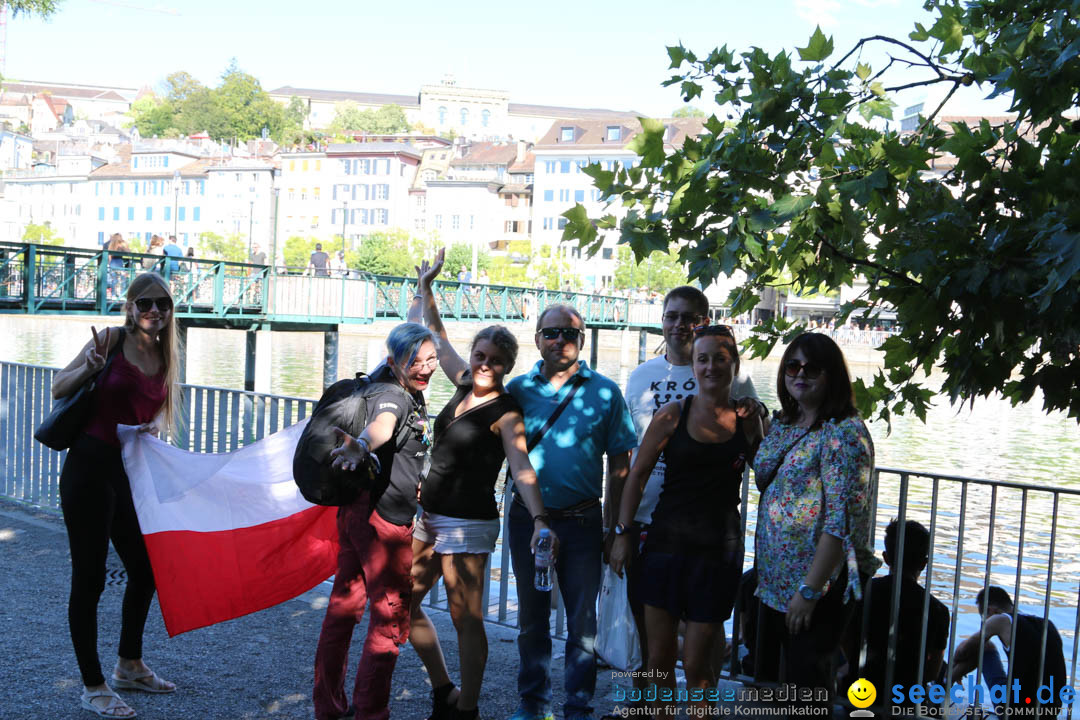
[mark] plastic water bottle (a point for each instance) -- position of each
(543, 561)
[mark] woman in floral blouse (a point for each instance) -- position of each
(814, 539)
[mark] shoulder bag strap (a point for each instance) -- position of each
(575, 383)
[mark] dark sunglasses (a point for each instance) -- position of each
(810, 370)
(569, 334)
(723, 330)
(164, 304)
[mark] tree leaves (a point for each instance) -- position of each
(818, 48)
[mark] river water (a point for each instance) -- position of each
(988, 439)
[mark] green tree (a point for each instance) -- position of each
(152, 116)
(505, 272)
(688, 111)
(981, 262)
(385, 253)
(232, 248)
(41, 8)
(42, 234)
(660, 271)
(246, 107)
(297, 252)
(460, 255)
(348, 117)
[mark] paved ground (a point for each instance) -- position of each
(259, 666)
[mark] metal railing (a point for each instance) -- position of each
(982, 532)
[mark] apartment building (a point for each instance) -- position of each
(56, 194)
(569, 146)
(355, 188)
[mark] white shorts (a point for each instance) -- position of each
(452, 535)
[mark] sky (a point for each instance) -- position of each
(577, 54)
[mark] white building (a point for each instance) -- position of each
(239, 199)
(358, 188)
(16, 150)
(569, 146)
(54, 194)
(448, 109)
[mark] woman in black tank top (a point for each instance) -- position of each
(694, 553)
(480, 426)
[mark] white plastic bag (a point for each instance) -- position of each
(617, 641)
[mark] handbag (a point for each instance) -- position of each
(69, 414)
(617, 640)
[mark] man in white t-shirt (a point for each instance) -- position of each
(656, 383)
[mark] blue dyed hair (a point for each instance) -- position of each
(404, 342)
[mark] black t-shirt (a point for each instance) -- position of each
(321, 261)
(394, 490)
(908, 630)
(1025, 668)
(258, 258)
(466, 458)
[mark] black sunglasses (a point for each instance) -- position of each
(723, 330)
(164, 304)
(810, 369)
(569, 334)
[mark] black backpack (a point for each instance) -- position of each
(345, 405)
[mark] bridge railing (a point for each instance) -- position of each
(39, 278)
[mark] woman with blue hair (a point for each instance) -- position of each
(375, 531)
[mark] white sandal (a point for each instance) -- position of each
(114, 709)
(146, 682)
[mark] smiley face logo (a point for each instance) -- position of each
(862, 693)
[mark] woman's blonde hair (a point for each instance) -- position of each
(170, 345)
(116, 242)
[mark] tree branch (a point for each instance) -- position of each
(931, 116)
(885, 38)
(868, 263)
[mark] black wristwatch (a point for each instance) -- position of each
(809, 593)
(543, 516)
(620, 529)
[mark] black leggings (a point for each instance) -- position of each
(96, 500)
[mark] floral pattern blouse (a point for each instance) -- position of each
(824, 484)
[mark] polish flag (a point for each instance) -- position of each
(228, 534)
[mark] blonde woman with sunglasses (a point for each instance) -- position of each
(139, 388)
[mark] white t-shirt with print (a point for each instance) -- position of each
(652, 385)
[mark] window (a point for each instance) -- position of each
(318, 193)
(168, 213)
(562, 224)
(429, 175)
(97, 188)
(382, 192)
(566, 134)
(438, 222)
(314, 221)
(318, 165)
(360, 192)
(384, 216)
(292, 193)
(135, 188)
(116, 213)
(346, 165)
(304, 166)
(303, 193)
(579, 196)
(202, 187)
(548, 223)
(120, 186)
(419, 224)
(581, 164)
(564, 166)
(101, 237)
(131, 213)
(455, 222)
(564, 195)
(549, 166)
(485, 117)
(549, 196)
(614, 133)
(135, 163)
(442, 115)
(195, 213)
(472, 222)
(101, 213)
(606, 253)
(292, 166)
(180, 213)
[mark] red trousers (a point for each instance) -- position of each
(374, 564)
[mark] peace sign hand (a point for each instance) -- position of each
(95, 354)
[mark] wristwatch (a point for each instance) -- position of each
(620, 529)
(809, 593)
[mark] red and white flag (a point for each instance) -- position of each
(230, 533)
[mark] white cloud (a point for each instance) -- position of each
(818, 12)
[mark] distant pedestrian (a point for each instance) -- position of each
(157, 243)
(464, 275)
(319, 263)
(139, 388)
(172, 250)
(258, 255)
(337, 264)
